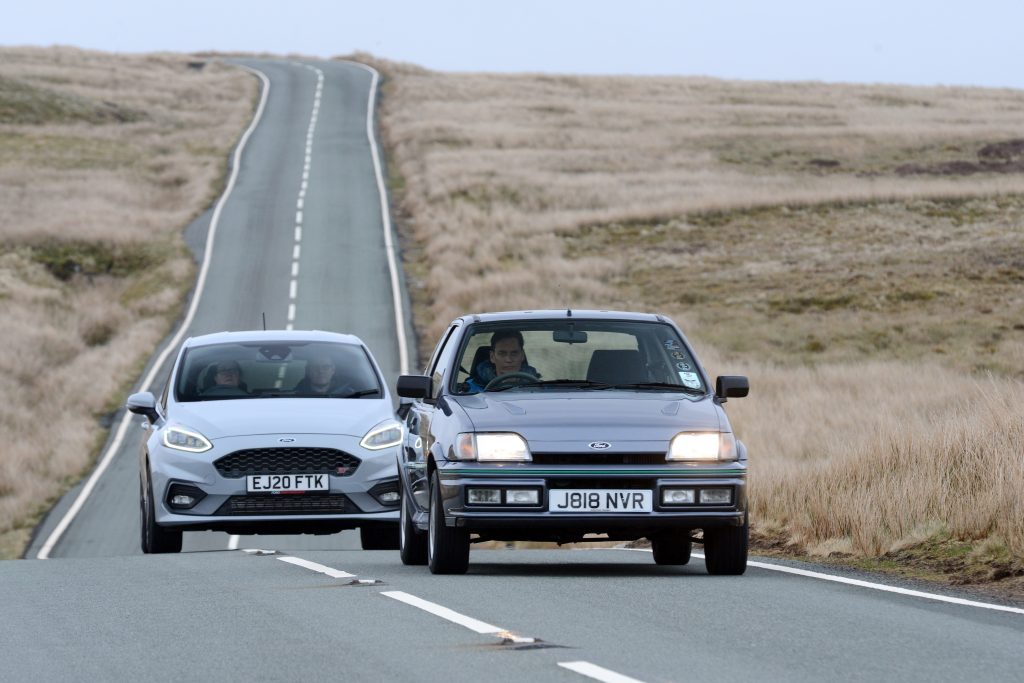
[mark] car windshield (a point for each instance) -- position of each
(584, 355)
(293, 369)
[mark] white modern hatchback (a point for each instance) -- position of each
(270, 432)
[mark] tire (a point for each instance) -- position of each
(447, 547)
(155, 538)
(412, 543)
(725, 549)
(672, 549)
(379, 537)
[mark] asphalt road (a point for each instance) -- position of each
(102, 611)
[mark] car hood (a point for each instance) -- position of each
(219, 419)
(570, 421)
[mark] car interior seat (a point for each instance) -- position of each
(616, 366)
(482, 355)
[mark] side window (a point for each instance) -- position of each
(163, 396)
(442, 358)
(429, 370)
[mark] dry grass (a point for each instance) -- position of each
(855, 249)
(103, 161)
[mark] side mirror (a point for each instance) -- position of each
(143, 403)
(414, 386)
(731, 386)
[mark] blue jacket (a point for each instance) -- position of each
(484, 372)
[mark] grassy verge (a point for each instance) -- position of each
(104, 159)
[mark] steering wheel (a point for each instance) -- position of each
(502, 379)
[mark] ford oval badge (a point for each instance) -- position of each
(286, 440)
(599, 445)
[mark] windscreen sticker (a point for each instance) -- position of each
(672, 345)
(683, 366)
(690, 379)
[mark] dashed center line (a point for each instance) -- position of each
(322, 569)
(293, 284)
(598, 673)
(445, 613)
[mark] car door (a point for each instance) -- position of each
(419, 439)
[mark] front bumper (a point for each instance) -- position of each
(353, 499)
(523, 522)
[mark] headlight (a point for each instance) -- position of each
(702, 446)
(491, 448)
(384, 435)
(182, 439)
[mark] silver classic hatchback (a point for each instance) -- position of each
(269, 432)
(570, 426)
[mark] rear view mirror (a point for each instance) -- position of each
(569, 337)
(731, 386)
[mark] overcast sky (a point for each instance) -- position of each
(926, 42)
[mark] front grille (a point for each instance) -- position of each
(288, 504)
(601, 483)
(599, 458)
(287, 461)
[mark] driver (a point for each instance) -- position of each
(507, 355)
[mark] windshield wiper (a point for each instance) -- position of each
(576, 383)
(357, 394)
(658, 385)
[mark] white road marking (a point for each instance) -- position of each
(259, 551)
(299, 203)
(389, 246)
(298, 216)
(445, 613)
(172, 345)
(293, 289)
(291, 313)
(295, 268)
(598, 673)
(333, 573)
(295, 252)
(298, 233)
(868, 584)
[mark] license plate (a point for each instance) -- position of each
(287, 483)
(599, 500)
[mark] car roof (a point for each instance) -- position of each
(273, 335)
(561, 313)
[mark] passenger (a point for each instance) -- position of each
(507, 355)
(320, 380)
(227, 380)
(229, 374)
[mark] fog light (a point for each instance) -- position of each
(715, 496)
(184, 496)
(678, 496)
(522, 497)
(388, 497)
(484, 496)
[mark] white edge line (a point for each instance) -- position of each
(597, 672)
(868, 584)
(322, 569)
(389, 245)
(443, 612)
(108, 455)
